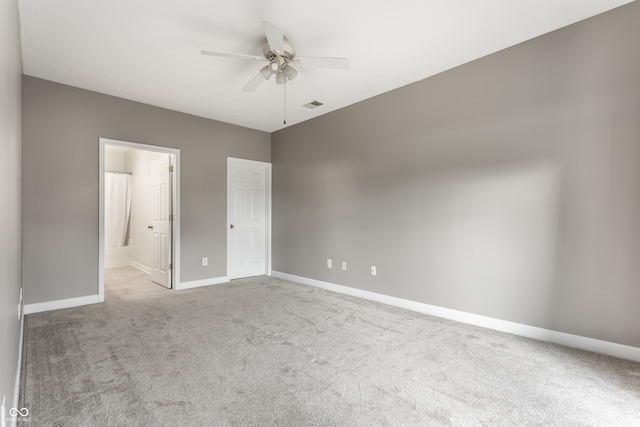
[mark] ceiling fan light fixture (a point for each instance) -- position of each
(266, 72)
(281, 79)
(290, 72)
(274, 66)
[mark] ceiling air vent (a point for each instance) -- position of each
(313, 104)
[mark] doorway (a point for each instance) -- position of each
(151, 241)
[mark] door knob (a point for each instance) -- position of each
(231, 226)
(150, 227)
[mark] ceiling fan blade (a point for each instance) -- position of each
(254, 83)
(233, 55)
(323, 62)
(308, 86)
(274, 37)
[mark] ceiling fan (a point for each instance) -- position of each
(281, 56)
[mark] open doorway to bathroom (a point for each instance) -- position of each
(139, 227)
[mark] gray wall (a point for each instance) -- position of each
(10, 194)
(61, 126)
(507, 187)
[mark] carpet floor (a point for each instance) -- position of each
(264, 351)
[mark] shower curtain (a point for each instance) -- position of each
(117, 207)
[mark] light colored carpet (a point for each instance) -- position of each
(265, 351)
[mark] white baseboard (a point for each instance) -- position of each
(61, 303)
(204, 282)
(562, 338)
(140, 266)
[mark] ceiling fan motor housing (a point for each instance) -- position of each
(288, 54)
(278, 61)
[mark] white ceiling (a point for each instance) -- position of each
(149, 50)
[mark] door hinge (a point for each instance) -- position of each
(170, 217)
(170, 266)
(171, 168)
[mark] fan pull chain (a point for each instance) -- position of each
(284, 112)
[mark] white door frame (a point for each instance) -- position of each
(175, 272)
(267, 167)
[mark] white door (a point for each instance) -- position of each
(161, 211)
(247, 218)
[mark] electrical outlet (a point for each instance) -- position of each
(344, 265)
(205, 261)
(374, 270)
(328, 263)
